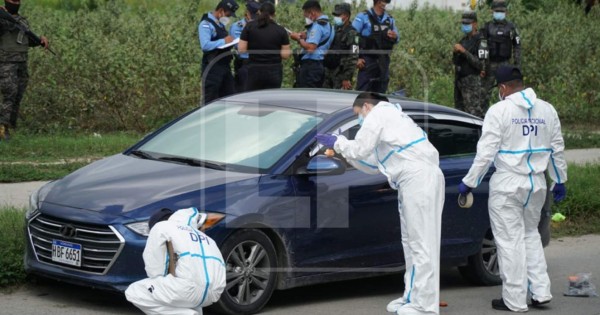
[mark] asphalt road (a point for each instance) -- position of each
(565, 257)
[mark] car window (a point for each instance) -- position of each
(249, 136)
(452, 138)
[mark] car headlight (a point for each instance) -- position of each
(140, 228)
(33, 204)
(143, 229)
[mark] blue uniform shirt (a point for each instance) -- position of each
(362, 24)
(206, 31)
(315, 35)
(236, 32)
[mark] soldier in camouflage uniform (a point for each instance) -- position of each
(14, 45)
(340, 61)
(504, 42)
(469, 59)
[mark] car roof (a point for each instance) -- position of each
(328, 101)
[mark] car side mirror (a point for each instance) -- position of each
(323, 165)
(202, 220)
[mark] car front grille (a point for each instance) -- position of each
(101, 244)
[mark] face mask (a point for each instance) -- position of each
(224, 20)
(466, 28)
(308, 21)
(361, 119)
(337, 20)
(12, 8)
(499, 16)
(500, 96)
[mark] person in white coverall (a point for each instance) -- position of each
(522, 136)
(199, 276)
(390, 142)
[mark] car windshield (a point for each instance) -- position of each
(250, 136)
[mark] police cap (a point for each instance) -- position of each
(469, 17)
(311, 4)
(499, 5)
(342, 8)
(507, 73)
(252, 7)
(228, 5)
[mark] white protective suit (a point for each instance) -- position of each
(390, 142)
(522, 136)
(199, 273)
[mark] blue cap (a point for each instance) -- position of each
(228, 5)
(507, 73)
(252, 7)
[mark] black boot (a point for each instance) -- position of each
(536, 303)
(498, 304)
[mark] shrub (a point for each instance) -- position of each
(134, 65)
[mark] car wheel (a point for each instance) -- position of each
(250, 259)
(482, 268)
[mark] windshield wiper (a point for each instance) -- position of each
(143, 154)
(194, 162)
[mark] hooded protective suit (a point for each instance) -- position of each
(390, 142)
(199, 276)
(522, 136)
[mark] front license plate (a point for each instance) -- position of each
(66, 253)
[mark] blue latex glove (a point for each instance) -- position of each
(560, 192)
(464, 189)
(326, 140)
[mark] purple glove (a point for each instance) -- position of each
(326, 140)
(463, 189)
(560, 192)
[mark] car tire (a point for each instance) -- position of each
(250, 258)
(482, 268)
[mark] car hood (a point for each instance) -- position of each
(122, 183)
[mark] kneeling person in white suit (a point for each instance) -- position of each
(198, 278)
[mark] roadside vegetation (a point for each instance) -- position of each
(12, 227)
(135, 64)
(29, 157)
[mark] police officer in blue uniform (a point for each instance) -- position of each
(216, 69)
(314, 42)
(240, 63)
(378, 35)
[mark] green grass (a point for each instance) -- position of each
(12, 227)
(581, 139)
(582, 205)
(51, 148)
(28, 157)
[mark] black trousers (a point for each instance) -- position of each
(218, 82)
(264, 76)
(312, 74)
(241, 75)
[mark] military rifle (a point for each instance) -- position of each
(32, 36)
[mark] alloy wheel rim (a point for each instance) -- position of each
(489, 255)
(247, 272)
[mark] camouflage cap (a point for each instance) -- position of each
(499, 5)
(342, 8)
(469, 17)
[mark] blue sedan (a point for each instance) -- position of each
(283, 214)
